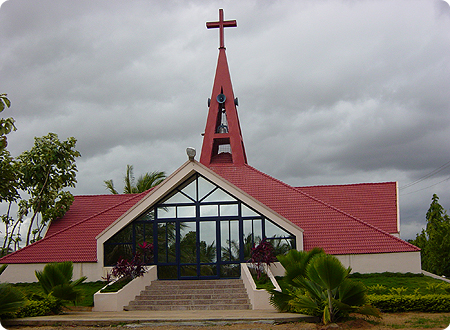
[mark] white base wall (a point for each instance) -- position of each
(24, 273)
(403, 262)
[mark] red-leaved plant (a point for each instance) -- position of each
(262, 254)
(134, 268)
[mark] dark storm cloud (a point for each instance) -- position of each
(330, 91)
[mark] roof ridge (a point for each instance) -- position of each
(333, 208)
(122, 195)
(78, 223)
(348, 184)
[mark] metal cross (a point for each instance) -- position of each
(221, 24)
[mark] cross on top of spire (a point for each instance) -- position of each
(221, 24)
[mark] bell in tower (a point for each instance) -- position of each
(222, 140)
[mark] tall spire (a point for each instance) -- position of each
(222, 141)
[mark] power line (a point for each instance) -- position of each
(426, 176)
(412, 192)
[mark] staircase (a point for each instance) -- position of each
(192, 295)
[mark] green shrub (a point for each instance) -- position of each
(376, 289)
(431, 303)
(385, 274)
(400, 291)
(47, 306)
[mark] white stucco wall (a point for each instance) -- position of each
(373, 263)
(403, 262)
(24, 273)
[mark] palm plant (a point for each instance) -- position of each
(143, 183)
(11, 299)
(56, 279)
(320, 286)
(294, 263)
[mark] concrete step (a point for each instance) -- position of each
(229, 294)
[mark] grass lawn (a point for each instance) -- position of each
(409, 281)
(89, 288)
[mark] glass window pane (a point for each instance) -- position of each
(147, 216)
(208, 270)
(204, 187)
(166, 212)
(139, 232)
(234, 230)
(272, 230)
(219, 196)
(123, 236)
(177, 198)
(208, 242)
(144, 234)
(282, 245)
(225, 250)
(114, 252)
(186, 211)
(167, 272)
(188, 242)
(188, 270)
(166, 242)
(248, 212)
(209, 211)
(230, 271)
(257, 231)
(228, 210)
(191, 190)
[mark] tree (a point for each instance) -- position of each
(6, 124)
(143, 183)
(42, 173)
(434, 240)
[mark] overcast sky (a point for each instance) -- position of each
(330, 92)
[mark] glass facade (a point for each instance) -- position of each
(197, 231)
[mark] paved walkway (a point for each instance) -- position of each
(128, 317)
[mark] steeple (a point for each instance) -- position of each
(222, 140)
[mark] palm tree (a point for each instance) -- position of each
(143, 183)
(56, 279)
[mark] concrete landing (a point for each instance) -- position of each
(155, 317)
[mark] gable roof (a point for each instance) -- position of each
(73, 236)
(375, 203)
(324, 225)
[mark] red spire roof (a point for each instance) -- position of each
(222, 141)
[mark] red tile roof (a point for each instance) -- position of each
(324, 225)
(375, 203)
(73, 236)
(324, 221)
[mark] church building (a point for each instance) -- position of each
(206, 216)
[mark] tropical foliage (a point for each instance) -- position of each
(262, 254)
(11, 299)
(317, 284)
(143, 183)
(42, 174)
(434, 240)
(56, 280)
(6, 124)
